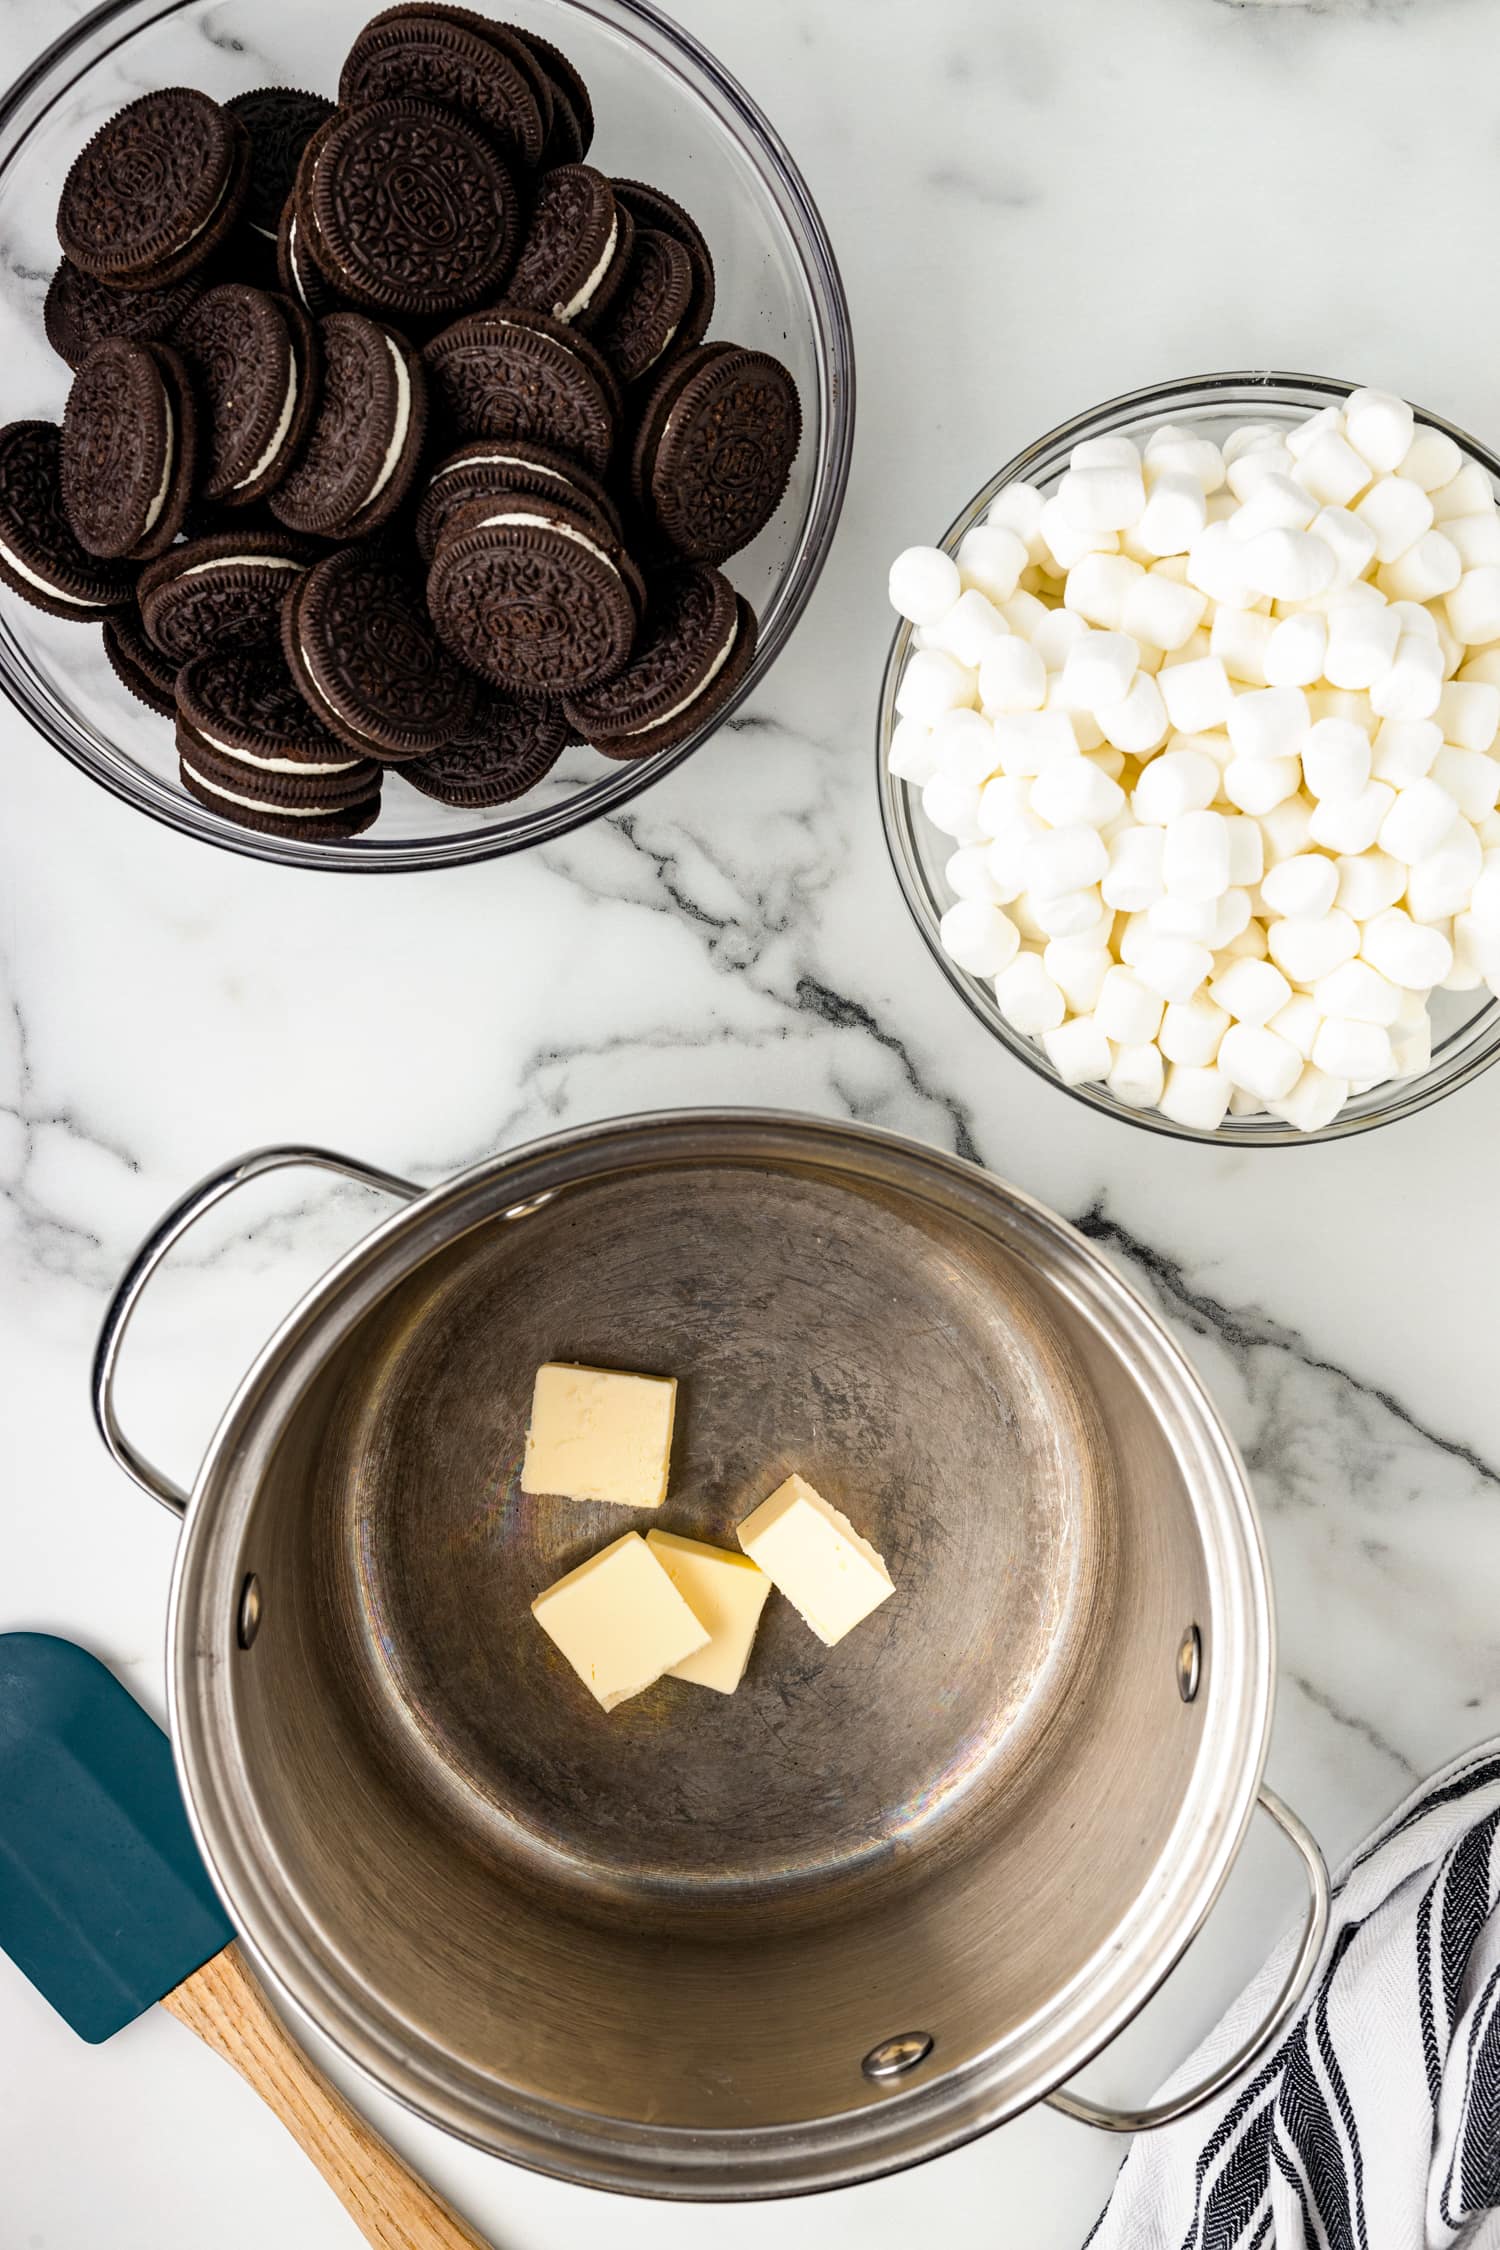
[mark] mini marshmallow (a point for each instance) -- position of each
(979, 937)
(1078, 1050)
(1023, 613)
(1247, 437)
(1476, 955)
(1247, 850)
(1065, 859)
(1174, 514)
(1138, 722)
(1067, 914)
(1477, 538)
(1431, 459)
(1078, 969)
(1417, 822)
(1127, 1010)
(1099, 669)
(1173, 967)
(1074, 791)
(1303, 434)
(1232, 914)
(1305, 885)
(1357, 991)
(1428, 568)
(1028, 999)
(1171, 451)
(1251, 991)
(1404, 750)
(1351, 823)
(1240, 640)
(991, 558)
(1258, 785)
(1002, 799)
(1469, 714)
(1314, 1101)
(1197, 919)
(1349, 1049)
(1098, 588)
(1286, 828)
(932, 684)
(1305, 949)
(1179, 781)
(1397, 512)
(1473, 604)
(1380, 427)
(1257, 1060)
(1471, 778)
(1369, 882)
(1137, 1075)
(1018, 508)
(1350, 542)
(1453, 648)
(1198, 696)
(1276, 503)
(1163, 613)
(1056, 631)
(1192, 1029)
(970, 627)
(1195, 856)
(967, 873)
(1464, 494)
(1413, 684)
(1294, 650)
(1102, 496)
(952, 805)
(1133, 879)
(1298, 1022)
(1257, 465)
(1442, 883)
(965, 747)
(912, 752)
(1362, 640)
(923, 584)
(1012, 676)
(1269, 723)
(1066, 542)
(1411, 1047)
(1029, 740)
(1332, 470)
(1198, 1099)
(1114, 452)
(1336, 758)
(1408, 953)
(1216, 565)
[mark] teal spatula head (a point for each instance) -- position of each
(104, 1902)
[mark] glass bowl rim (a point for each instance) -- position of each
(1232, 386)
(828, 309)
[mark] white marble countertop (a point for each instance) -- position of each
(1034, 208)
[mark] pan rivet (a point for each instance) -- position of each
(1190, 1664)
(895, 2056)
(247, 1622)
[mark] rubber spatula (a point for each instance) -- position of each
(106, 1907)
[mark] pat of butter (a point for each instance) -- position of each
(598, 1435)
(619, 1621)
(726, 1593)
(814, 1556)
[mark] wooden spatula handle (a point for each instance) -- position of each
(390, 2205)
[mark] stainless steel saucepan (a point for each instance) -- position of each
(886, 1895)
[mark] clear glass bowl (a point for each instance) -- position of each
(1466, 1025)
(667, 113)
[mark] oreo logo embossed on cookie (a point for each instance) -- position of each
(529, 595)
(156, 190)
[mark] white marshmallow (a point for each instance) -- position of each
(1453, 646)
(1197, 919)
(952, 806)
(1276, 503)
(1010, 853)
(1362, 638)
(1379, 426)
(1358, 991)
(1295, 649)
(979, 937)
(1255, 466)
(1288, 565)
(1171, 966)
(1198, 1099)
(1369, 882)
(1473, 604)
(1078, 969)
(1102, 496)
(1075, 791)
(1138, 722)
(1172, 451)
(1269, 723)
(1192, 1029)
(923, 584)
(1429, 567)
(1411, 687)
(1305, 949)
(1302, 434)
(1231, 914)
(1078, 1050)
(1056, 631)
(1348, 1049)
(1248, 437)
(1415, 619)
(1306, 885)
(1240, 639)
(1417, 822)
(912, 753)
(967, 873)
(1476, 956)
(1407, 952)
(1286, 828)
(1332, 470)
(1404, 750)
(1195, 857)
(1002, 799)
(1198, 696)
(1336, 758)
(965, 747)
(1127, 1010)
(1258, 785)
(1028, 999)
(1179, 781)
(1162, 612)
(1012, 676)
(1477, 538)
(1133, 879)
(933, 683)
(1257, 1060)
(1137, 1075)
(1251, 991)
(1464, 494)
(992, 558)
(1112, 452)
(1471, 778)
(1216, 565)
(1017, 507)
(1029, 740)
(1397, 511)
(1298, 1021)
(1174, 514)
(1411, 1048)
(1099, 669)
(1431, 459)
(1098, 588)
(1023, 613)
(1066, 542)
(1351, 823)
(1442, 883)
(1469, 714)
(970, 627)
(1350, 542)
(1065, 859)
(1314, 1101)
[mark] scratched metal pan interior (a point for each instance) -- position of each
(571, 1934)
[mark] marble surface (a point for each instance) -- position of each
(1033, 208)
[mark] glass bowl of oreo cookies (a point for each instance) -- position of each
(418, 433)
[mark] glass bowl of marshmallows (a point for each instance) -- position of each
(1189, 753)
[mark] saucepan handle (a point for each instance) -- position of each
(1288, 2001)
(168, 1231)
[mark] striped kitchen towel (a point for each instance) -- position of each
(1375, 2124)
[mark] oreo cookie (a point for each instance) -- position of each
(300, 276)
(156, 190)
(572, 131)
(255, 365)
(360, 646)
(647, 316)
(79, 312)
(515, 373)
(40, 557)
(140, 669)
(693, 651)
(651, 207)
(507, 747)
(532, 596)
(129, 449)
(269, 808)
(221, 592)
(280, 120)
(715, 448)
(249, 744)
(577, 247)
(490, 465)
(455, 58)
(408, 210)
(365, 443)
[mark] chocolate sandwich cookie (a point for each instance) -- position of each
(300, 276)
(129, 449)
(407, 210)
(577, 247)
(572, 131)
(650, 207)
(221, 592)
(489, 465)
(693, 651)
(360, 645)
(140, 669)
(531, 596)
(249, 742)
(471, 66)
(270, 810)
(507, 747)
(40, 558)
(156, 190)
(647, 315)
(516, 373)
(715, 448)
(254, 361)
(362, 451)
(80, 312)
(280, 120)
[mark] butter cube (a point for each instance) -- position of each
(814, 1556)
(726, 1593)
(598, 1435)
(619, 1621)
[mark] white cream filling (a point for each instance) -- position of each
(310, 680)
(274, 765)
(43, 585)
(232, 562)
(399, 428)
(498, 461)
(258, 804)
(278, 435)
(291, 259)
(704, 684)
(585, 296)
(168, 451)
(549, 523)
